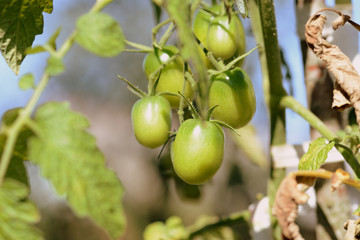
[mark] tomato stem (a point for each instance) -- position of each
(137, 91)
(141, 47)
(156, 29)
(241, 217)
(167, 35)
(291, 103)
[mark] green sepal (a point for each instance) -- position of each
(132, 88)
(223, 124)
(194, 113)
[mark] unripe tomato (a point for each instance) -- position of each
(197, 151)
(226, 40)
(223, 37)
(234, 93)
(151, 120)
(172, 75)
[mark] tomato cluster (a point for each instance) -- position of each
(197, 148)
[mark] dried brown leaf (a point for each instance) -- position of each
(285, 208)
(347, 79)
(338, 178)
(352, 228)
(340, 21)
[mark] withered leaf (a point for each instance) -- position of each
(285, 208)
(347, 86)
(338, 178)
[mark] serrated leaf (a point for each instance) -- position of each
(47, 5)
(316, 154)
(67, 155)
(242, 6)
(100, 34)
(26, 81)
(20, 22)
(17, 215)
(55, 66)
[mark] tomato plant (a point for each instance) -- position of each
(234, 94)
(151, 120)
(197, 151)
(171, 76)
(56, 139)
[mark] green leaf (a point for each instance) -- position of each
(26, 81)
(100, 34)
(51, 43)
(55, 65)
(242, 6)
(16, 168)
(17, 215)
(52, 40)
(67, 155)
(316, 154)
(47, 5)
(20, 22)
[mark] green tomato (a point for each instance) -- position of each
(197, 151)
(172, 75)
(151, 121)
(223, 37)
(234, 94)
(226, 40)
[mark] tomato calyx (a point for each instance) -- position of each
(132, 88)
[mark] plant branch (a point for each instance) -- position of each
(311, 118)
(13, 131)
(141, 47)
(235, 218)
(316, 123)
(156, 29)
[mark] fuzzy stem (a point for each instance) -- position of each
(312, 119)
(156, 29)
(139, 46)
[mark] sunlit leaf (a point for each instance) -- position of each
(100, 34)
(20, 22)
(316, 154)
(67, 155)
(17, 215)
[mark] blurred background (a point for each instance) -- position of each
(91, 86)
